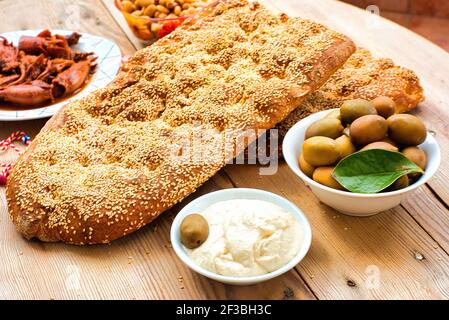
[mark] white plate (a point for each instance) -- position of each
(108, 63)
(201, 203)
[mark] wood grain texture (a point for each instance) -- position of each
(407, 245)
(346, 252)
(430, 214)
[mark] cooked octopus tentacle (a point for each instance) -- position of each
(42, 68)
(25, 94)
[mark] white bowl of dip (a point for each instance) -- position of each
(354, 204)
(202, 203)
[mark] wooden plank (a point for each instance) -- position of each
(30, 127)
(347, 252)
(430, 214)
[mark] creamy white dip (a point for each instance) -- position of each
(248, 238)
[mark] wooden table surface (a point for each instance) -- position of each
(399, 254)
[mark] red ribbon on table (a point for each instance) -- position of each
(6, 144)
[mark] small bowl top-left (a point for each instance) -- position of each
(146, 26)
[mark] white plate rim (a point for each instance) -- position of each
(109, 59)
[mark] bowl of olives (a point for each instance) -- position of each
(362, 158)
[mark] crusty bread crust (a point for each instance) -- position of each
(365, 77)
(362, 76)
(110, 163)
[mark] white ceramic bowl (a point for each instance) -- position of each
(203, 202)
(354, 204)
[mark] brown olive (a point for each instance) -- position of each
(143, 3)
(136, 13)
(149, 10)
(385, 106)
(320, 151)
(334, 114)
(306, 167)
(345, 146)
(326, 127)
(353, 109)
(323, 175)
(401, 183)
(413, 177)
(368, 129)
(128, 6)
(416, 155)
(406, 129)
(380, 145)
(194, 231)
(388, 140)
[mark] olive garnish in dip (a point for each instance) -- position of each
(194, 231)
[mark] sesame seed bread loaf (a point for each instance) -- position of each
(362, 76)
(108, 164)
(365, 77)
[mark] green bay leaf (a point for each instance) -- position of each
(372, 171)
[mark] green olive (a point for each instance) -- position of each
(194, 231)
(334, 114)
(406, 129)
(345, 146)
(354, 109)
(367, 129)
(385, 106)
(380, 145)
(320, 151)
(323, 175)
(416, 155)
(306, 167)
(326, 127)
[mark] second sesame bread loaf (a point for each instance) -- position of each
(362, 76)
